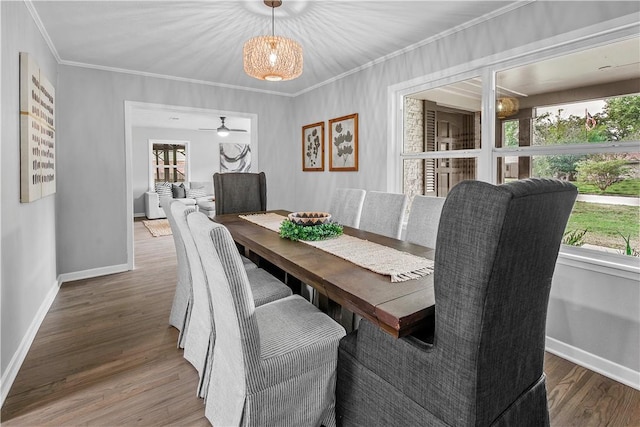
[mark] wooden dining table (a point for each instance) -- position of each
(398, 308)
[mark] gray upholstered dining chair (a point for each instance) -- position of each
(240, 192)
(346, 206)
(200, 335)
(179, 316)
(481, 361)
(273, 364)
(424, 217)
(383, 213)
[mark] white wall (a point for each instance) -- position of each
(594, 315)
(204, 156)
(29, 278)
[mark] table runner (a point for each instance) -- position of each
(399, 266)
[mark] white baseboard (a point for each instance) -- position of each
(609, 369)
(140, 215)
(94, 272)
(11, 372)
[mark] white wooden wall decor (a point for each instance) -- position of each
(37, 132)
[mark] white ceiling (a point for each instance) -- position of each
(614, 62)
(202, 40)
(182, 119)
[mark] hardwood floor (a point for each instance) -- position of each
(105, 355)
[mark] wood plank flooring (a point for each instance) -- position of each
(105, 355)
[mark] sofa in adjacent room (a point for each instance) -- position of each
(194, 193)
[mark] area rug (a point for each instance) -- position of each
(158, 227)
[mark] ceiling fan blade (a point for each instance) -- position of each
(237, 130)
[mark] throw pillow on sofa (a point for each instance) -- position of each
(163, 189)
(178, 191)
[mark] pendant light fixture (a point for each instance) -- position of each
(506, 107)
(273, 58)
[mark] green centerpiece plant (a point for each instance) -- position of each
(292, 231)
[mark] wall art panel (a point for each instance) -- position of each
(37, 132)
(235, 157)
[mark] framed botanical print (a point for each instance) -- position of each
(343, 143)
(313, 147)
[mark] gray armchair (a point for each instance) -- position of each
(480, 361)
(240, 192)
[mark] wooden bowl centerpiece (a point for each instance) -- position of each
(309, 218)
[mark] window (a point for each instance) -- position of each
(168, 161)
(580, 124)
(575, 116)
(441, 130)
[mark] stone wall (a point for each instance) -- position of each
(413, 170)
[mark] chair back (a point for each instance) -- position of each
(496, 252)
(200, 330)
(424, 217)
(237, 346)
(178, 316)
(240, 192)
(346, 206)
(383, 213)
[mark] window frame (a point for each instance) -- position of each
(487, 156)
(152, 169)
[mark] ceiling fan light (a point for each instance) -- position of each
(223, 132)
(272, 58)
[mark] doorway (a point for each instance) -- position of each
(195, 119)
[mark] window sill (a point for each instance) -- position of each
(603, 262)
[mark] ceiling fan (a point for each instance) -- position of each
(223, 130)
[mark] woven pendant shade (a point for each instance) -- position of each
(273, 58)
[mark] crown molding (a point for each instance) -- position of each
(506, 9)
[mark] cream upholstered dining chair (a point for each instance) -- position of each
(273, 364)
(237, 192)
(424, 217)
(183, 298)
(383, 213)
(479, 362)
(179, 316)
(346, 206)
(200, 335)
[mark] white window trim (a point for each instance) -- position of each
(487, 68)
(187, 155)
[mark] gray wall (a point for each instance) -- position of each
(204, 156)
(366, 93)
(28, 229)
(92, 188)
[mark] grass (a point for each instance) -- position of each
(605, 223)
(628, 187)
